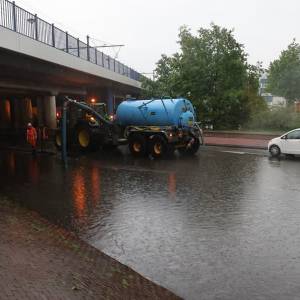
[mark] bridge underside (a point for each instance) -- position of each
(21, 73)
(31, 89)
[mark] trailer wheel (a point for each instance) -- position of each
(85, 139)
(192, 150)
(137, 145)
(159, 147)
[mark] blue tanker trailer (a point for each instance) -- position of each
(155, 127)
(159, 127)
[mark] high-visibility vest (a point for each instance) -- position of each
(31, 136)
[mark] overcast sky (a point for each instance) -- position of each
(149, 28)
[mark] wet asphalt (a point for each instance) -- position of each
(224, 224)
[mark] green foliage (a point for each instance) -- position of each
(150, 88)
(281, 119)
(284, 74)
(211, 69)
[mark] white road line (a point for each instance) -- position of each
(235, 152)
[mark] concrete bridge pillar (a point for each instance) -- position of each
(15, 113)
(110, 101)
(21, 112)
(40, 111)
(5, 114)
(25, 111)
(107, 96)
(49, 107)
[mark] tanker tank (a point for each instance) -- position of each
(158, 112)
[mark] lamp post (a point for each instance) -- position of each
(34, 21)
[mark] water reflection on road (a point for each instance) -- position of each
(216, 226)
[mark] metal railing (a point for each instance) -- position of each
(19, 20)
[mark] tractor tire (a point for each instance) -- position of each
(85, 139)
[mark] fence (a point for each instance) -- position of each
(19, 20)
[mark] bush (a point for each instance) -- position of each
(275, 119)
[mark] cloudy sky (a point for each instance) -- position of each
(150, 28)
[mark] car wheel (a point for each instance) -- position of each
(275, 151)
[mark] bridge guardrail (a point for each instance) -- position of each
(19, 20)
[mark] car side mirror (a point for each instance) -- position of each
(284, 137)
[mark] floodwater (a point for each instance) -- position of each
(221, 225)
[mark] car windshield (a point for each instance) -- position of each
(294, 135)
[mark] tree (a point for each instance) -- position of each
(150, 88)
(211, 69)
(284, 74)
(166, 82)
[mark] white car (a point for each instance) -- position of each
(288, 143)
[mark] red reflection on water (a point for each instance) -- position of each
(96, 185)
(79, 194)
(33, 170)
(11, 163)
(172, 184)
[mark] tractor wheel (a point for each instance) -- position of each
(85, 139)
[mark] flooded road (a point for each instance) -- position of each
(222, 225)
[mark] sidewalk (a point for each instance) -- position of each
(242, 140)
(41, 261)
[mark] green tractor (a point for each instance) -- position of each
(88, 127)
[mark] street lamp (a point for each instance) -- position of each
(32, 21)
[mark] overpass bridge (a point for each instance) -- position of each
(39, 62)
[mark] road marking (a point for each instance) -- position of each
(235, 152)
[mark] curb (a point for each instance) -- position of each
(132, 283)
(238, 146)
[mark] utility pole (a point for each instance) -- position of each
(64, 134)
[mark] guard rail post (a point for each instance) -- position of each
(67, 42)
(78, 49)
(53, 35)
(14, 15)
(88, 47)
(36, 27)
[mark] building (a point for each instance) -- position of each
(272, 100)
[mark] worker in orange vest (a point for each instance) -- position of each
(31, 137)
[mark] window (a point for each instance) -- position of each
(294, 135)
